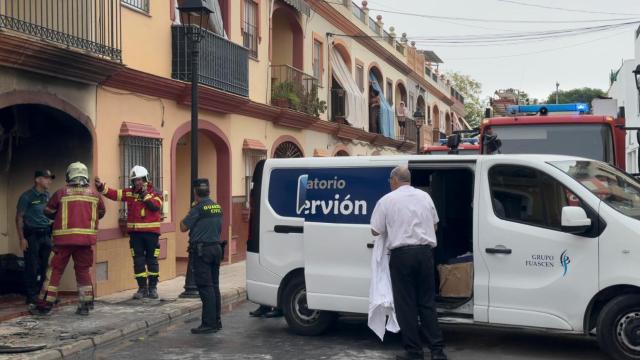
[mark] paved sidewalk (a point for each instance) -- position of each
(115, 316)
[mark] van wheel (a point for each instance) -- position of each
(619, 328)
(301, 319)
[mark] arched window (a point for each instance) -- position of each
(288, 150)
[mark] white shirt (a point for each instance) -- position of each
(406, 216)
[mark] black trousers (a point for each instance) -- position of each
(36, 260)
(413, 283)
(206, 272)
(145, 249)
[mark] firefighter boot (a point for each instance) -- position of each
(83, 308)
(153, 293)
(141, 293)
(41, 308)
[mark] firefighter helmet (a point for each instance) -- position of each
(138, 172)
(77, 169)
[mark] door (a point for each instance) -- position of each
(337, 235)
(539, 276)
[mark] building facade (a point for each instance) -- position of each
(108, 85)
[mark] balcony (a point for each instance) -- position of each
(296, 90)
(224, 65)
(85, 25)
(410, 131)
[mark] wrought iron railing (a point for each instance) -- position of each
(223, 64)
(142, 5)
(358, 12)
(409, 132)
(338, 104)
(295, 89)
(250, 39)
(88, 25)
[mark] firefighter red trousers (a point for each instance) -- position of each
(82, 259)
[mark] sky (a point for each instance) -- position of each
(531, 65)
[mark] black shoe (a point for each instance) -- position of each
(260, 311)
(204, 330)
(83, 309)
(408, 356)
(40, 310)
(153, 293)
(273, 314)
(141, 293)
(438, 354)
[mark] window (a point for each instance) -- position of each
(525, 195)
(390, 92)
(143, 151)
(317, 59)
(250, 27)
(360, 76)
(251, 159)
(142, 5)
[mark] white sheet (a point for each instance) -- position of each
(382, 314)
(356, 103)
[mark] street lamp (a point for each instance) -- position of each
(194, 14)
(418, 116)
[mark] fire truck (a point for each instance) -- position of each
(562, 129)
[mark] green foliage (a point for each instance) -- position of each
(471, 89)
(583, 95)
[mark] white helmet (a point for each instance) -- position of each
(77, 170)
(138, 172)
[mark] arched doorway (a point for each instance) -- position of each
(287, 149)
(449, 124)
(374, 112)
(436, 124)
(287, 38)
(338, 101)
(214, 163)
(38, 131)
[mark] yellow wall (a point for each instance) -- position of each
(282, 40)
(207, 162)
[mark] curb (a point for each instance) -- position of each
(230, 298)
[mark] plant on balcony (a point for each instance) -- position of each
(311, 104)
(284, 95)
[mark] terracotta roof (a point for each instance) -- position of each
(251, 144)
(142, 130)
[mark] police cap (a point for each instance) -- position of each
(202, 183)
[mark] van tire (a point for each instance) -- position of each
(300, 318)
(618, 329)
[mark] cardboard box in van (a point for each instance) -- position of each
(456, 280)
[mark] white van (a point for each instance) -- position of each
(555, 240)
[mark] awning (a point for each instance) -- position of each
(300, 5)
(251, 144)
(141, 130)
(321, 153)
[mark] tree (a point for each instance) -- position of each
(471, 89)
(583, 95)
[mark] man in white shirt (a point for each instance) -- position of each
(408, 219)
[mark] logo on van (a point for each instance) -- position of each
(565, 261)
(335, 205)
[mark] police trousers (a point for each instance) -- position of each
(145, 250)
(206, 272)
(36, 260)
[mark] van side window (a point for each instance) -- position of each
(529, 196)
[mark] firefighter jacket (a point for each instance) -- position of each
(144, 214)
(77, 211)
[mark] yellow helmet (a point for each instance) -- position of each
(77, 169)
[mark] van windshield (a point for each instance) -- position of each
(614, 187)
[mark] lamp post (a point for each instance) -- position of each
(557, 92)
(194, 14)
(418, 116)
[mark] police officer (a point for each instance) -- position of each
(34, 232)
(204, 223)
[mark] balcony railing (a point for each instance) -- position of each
(142, 5)
(86, 25)
(358, 12)
(410, 132)
(224, 65)
(295, 90)
(338, 104)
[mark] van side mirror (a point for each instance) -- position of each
(575, 220)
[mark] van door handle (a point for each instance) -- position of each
(288, 229)
(498, 250)
(370, 246)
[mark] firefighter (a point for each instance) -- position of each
(144, 205)
(75, 210)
